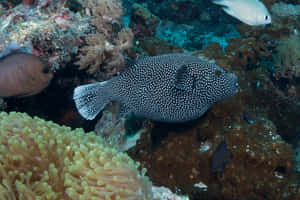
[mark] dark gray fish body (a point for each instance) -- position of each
(167, 88)
(221, 157)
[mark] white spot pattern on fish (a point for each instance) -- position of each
(167, 88)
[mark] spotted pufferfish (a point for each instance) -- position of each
(167, 88)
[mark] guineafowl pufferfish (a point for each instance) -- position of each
(167, 88)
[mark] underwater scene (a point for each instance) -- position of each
(149, 99)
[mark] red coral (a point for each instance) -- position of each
(29, 2)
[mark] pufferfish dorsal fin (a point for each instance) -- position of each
(183, 79)
(129, 62)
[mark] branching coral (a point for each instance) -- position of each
(100, 52)
(103, 45)
(105, 10)
(287, 59)
(92, 55)
(42, 160)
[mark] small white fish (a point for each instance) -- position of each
(251, 12)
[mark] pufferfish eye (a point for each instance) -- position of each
(266, 17)
(218, 72)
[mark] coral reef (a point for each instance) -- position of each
(256, 124)
(179, 157)
(99, 54)
(175, 34)
(153, 46)
(179, 11)
(268, 160)
(113, 133)
(42, 160)
(48, 28)
(122, 135)
(57, 32)
(271, 97)
(102, 52)
(143, 22)
(163, 193)
(187, 24)
(246, 52)
(287, 58)
(282, 9)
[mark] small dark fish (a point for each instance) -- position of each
(23, 74)
(221, 157)
(166, 88)
(249, 118)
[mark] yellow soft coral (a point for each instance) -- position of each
(42, 160)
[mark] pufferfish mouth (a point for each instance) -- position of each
(236, 87)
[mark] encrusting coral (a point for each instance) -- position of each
(244, 52)
(287, 59)
(42, 160)
(49, 29)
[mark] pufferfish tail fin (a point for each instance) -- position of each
(90, 99)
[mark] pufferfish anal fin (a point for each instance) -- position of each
(124, 111)
(183, 79)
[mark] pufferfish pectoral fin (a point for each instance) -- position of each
(183, 80)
